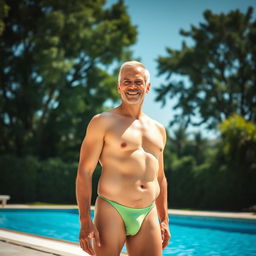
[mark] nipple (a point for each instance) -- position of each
(123, 145)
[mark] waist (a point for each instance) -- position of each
(125, 206)
(136, 195)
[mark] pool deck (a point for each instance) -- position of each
(14, 243)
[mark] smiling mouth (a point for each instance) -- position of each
(132, 93)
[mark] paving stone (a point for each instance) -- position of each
(10, 249)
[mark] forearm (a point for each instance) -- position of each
(83, 195)
(162, 202)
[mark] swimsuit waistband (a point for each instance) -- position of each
(128, 207)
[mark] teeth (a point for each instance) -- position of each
(132, 93)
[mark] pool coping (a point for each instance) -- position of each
(42, 243)
(46, 244)
(215, 214)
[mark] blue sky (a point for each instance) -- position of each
(158, 25)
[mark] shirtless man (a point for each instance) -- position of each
(131, 206)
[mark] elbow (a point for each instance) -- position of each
(83, 175)
(162, 180)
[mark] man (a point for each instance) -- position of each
(131, 206)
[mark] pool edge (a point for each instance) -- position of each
(214, 214)
(224, 214)
(42, 243)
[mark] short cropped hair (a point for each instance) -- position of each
(131, 64)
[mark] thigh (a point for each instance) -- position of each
(111, 229)
(148, 240)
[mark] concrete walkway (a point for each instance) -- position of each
(14, 243)
(36, 243)
(13, 249)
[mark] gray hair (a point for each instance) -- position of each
(133, 63)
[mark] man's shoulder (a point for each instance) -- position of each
(156, 124)
(159, 127)
(103, 116)
(102, 119)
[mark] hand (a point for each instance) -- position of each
(165, 233)
(88, 233)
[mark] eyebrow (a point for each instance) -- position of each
(134, 79)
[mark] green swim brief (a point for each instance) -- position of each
(132, 217)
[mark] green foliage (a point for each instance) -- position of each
(186, 160)
(18, 178)
(239, 140)
(225, 176)
(55, 58)
(3, 13)
(29, 179)
(182, 144)
(181, 182)
(237, 154)
(220, 66)
(56, 181)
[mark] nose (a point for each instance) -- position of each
(133, 84)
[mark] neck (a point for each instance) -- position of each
(134, 111)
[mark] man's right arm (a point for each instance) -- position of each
(89, 155)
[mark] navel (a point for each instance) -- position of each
(142, 186)
(123, 145)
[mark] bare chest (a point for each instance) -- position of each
(128, 137)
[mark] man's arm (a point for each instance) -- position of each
(162, 202)
(89, 155)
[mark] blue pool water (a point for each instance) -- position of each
(191, 236)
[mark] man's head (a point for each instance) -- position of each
(133, 82)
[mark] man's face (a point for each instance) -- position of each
(133, 87)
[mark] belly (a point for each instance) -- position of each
(130, 178)
(136, 164)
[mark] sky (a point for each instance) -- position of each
(158, 25)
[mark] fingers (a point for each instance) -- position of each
(84, 245)
(165, 236)
(165, 241)
(97, 238)
(87, 245)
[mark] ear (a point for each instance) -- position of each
(118, 87)
(148, 87)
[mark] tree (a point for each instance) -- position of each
(54, 70)
(220, 66)
(223, 178)
(236, 162)
(3, 13)
(238, 145)
(180, 141)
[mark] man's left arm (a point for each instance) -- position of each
(161, 201)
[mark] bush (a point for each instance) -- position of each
(56, 181)
(181, 183)
(227, 177)
(19, 178)
(29, 180)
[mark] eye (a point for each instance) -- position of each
(138, 82)
(126, 82)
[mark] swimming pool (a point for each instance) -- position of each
(191, 235)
